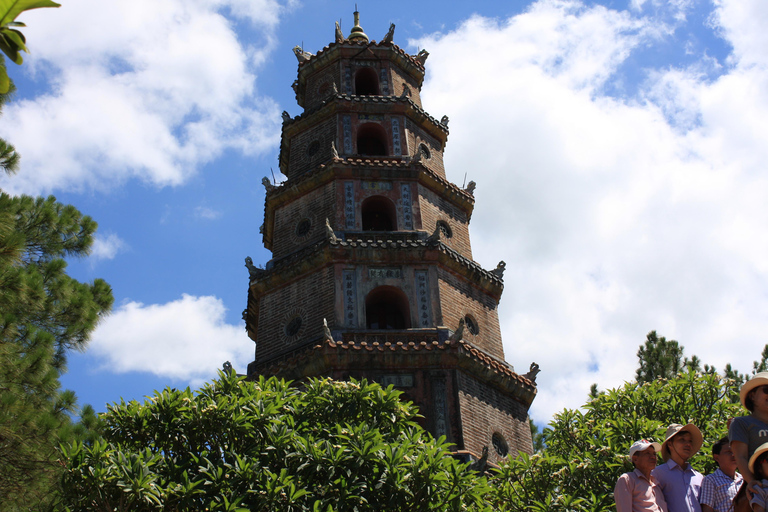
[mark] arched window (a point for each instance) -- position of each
(378, 214)
(386, 307)
(366, 82)
(371, 140)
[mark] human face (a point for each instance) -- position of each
(682, 444)
(645, 460)
(760, 398)
(726, 460)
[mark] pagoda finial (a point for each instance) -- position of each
(357, 33)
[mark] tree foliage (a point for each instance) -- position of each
(12, 41)
(9, 158)
(43, 313)
(659, 358)
(586, 450)
(240, 445)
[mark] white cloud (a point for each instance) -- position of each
(185, 339)
(106, 247)
(204, 212)
(146, 90)
(615, 216)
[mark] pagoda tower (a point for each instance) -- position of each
(372, 273)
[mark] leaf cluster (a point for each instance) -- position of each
(265, 445)
(586, 450)
(12, 41)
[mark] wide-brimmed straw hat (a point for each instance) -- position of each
(760, 449)
(675, 429)
(643, 444)
(760, 379)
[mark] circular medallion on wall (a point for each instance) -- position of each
(424, 150)
(324, 90)
(313, 148)
(471, 324)
(293, 324)
(445, 229)
(500, 444)
(303, 228)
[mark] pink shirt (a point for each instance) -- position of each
(635, 493)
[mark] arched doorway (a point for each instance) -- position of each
(366, 82)
(386, 307)
(371, 140)
(378, 214)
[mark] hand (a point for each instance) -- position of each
(750, 492)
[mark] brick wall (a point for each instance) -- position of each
(434, 208)
(311, 147)
(415, 136)
(316, 206)
(457, 299)
(320, 86)
(400, 81)
(309, 298)
(485, 410)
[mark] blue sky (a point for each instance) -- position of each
(619, 149)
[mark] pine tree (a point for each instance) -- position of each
(660, 358)
(43, 314)
(9, 158)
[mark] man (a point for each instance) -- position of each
(637, 491)
(679, 482)
(719, 488)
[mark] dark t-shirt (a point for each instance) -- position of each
(748, 430)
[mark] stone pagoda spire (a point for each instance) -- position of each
(372, 274)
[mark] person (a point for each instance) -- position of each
(679, 482)
(719, 488)
(747, 433)
(637, 491)
(758, 465)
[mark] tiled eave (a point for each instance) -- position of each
(415, 251)
(324, 357)
(349, 49)
(344, 103)
(358, 168)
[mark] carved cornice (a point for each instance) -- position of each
(349, 49)
(345, 103)
(356, 168)
(363, 252)
(325, 356)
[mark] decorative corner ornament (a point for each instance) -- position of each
(329, 233)
(499, 270)
(327, 330)
(301, 55)
(254, 272)
(458, 334)
(390, 34)
(531, 375)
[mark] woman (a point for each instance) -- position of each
(747, 433)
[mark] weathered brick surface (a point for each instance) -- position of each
(484, 410)
(433, 208)
(316, 206)
(400, 81)
(311, 147)
(458, 298)
(310, 298)
(320, 86)
(415, 136)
